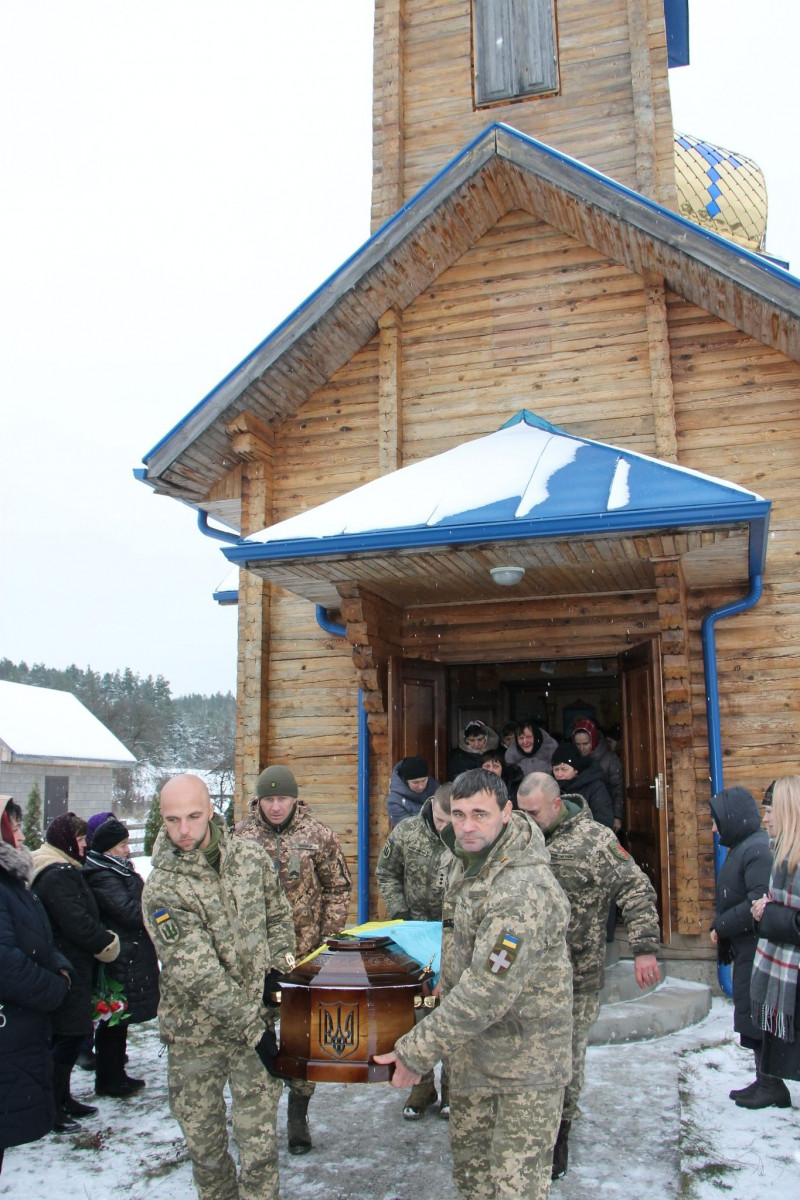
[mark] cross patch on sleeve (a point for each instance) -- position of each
(504, 953)
(166, 925)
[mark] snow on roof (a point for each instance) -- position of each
(527, 470)
(45, 723)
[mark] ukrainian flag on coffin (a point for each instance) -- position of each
(421, 940)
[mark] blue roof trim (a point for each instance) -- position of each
(227, 596)
(753, 512)
(526, 417)
(491, 132)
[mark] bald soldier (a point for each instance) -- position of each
(220, 921)
(504, 1023)
(594, 870)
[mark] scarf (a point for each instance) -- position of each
(773, 985)
(212, 850)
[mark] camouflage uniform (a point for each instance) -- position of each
(314, 875)
(411, 874)
(412, 869)
(594, 870)
(504, 1023)
(217, 934)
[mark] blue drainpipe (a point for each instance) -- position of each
(362, 888)
(712, 711)
(219, 535)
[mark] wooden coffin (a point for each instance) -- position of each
(351, 1001)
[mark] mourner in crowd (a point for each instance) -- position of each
(592, 743)
(314, 875)
(505, 969)
(34, 980)
(511, 775)
(117, 888)
(775, 981)
(411, 785)
(532, 748)
(578, 775)
(595, 872)
(476, 737)
(215, 909)
(59, 882)
(742, 878)
(411, 874)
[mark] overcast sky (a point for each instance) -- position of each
(178, 176)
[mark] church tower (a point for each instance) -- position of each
(588, 78)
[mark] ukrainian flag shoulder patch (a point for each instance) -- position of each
(504, 952)
(166, 925)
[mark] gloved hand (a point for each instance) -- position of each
(271, 988)
(267, 1049)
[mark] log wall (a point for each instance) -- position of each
(612, 109)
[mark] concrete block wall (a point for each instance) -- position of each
(91, 789)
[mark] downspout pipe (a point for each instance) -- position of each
(712, 712)
(219, 535)
(362, 886)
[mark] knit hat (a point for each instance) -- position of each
(109, 834)
(568, 752)
(276, 781)
(587, 725)
(61, 834)
(94, 823)
(412, 767)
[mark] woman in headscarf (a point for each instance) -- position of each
(80, 935)
(774, 986)
(532, 748)
(591, 742)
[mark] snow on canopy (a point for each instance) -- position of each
(528, 470)
(40, 722)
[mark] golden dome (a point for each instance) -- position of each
(720, 190)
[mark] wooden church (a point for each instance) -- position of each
(532, 449)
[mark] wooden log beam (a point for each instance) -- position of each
(665, 428)
(390, 359)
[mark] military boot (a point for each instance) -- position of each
(299, 1134)
(421, 1095)
(444, 1100)
(561, 1151)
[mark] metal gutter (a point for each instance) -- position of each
(362, 886)
(712, 713)
(754, 513)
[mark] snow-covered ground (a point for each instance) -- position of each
(657, 1125)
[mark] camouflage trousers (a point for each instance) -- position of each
(585, 1007)
(301, 1087)
(197, 1076)
(502, 1143)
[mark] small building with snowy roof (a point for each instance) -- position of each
(48, 738)
(531, 451)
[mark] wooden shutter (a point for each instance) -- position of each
(515, 49)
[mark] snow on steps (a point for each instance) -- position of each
(631, 1015)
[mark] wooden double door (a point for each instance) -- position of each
(418, 692)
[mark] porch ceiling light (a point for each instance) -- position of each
(506, 576)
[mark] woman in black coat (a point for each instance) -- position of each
(117, 888)
(743, 877)
(581, 776)
(80, 935)
(34, 979)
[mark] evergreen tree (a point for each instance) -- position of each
(32, 821)
(152, 824)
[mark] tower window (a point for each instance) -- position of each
(515, 49)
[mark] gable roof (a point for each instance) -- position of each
(45, 723)
(499, 171)
(524, 488)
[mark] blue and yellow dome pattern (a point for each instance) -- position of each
(721, 190)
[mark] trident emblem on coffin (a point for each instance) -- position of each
(338, 1029)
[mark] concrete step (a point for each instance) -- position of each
(672, 1005)
(620, 982)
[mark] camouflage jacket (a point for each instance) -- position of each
(505, 1019)
(593, 869)
(412, 869)
(312, 868)
(216, 935)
